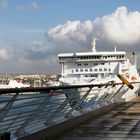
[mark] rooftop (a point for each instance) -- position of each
(91, 53)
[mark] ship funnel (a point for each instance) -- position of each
(93, 44)
(133, 58)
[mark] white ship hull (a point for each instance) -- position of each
(95, 68)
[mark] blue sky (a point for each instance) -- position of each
(33, 32)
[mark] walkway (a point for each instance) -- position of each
(121, 123)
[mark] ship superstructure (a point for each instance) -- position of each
(95, 67)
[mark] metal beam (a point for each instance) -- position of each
(40, 89)
(78, 106)
(7, 107)
(57, 111)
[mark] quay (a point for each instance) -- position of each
(62, 113)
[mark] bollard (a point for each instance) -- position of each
(5, 136)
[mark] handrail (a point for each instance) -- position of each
(41, 89)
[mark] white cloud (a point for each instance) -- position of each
(37, 46)
(121, 27)
(35, 6)
(4, 54)
(30, 6)
(71, 32)
(3, 4)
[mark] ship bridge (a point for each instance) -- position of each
(92, 56)
(100, 111)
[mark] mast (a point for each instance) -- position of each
(115, 48)
(93, 44)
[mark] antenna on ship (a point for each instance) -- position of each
(115, 48)
(133, 58)
(93, 44)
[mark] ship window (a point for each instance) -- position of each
(102, 75)
(95, 69)
(95, 64)
(76, 70)
(105, 57)
(102, 63)
(86, 70)
(105, 69)
(72, 71)
(94, 75)
(81, 70)
(109, 69)
(79, 64)
(100, 69)
(86, 64)
(91, 69)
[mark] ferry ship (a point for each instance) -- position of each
(98, 67)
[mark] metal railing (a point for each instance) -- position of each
(24, 111)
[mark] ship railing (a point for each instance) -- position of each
(99, 59)
(24, 111)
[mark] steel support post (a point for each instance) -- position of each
(7, 107)
(79, 103)
(113, 94)
(57, 111)
(21, 130)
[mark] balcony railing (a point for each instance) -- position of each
(24, 111)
